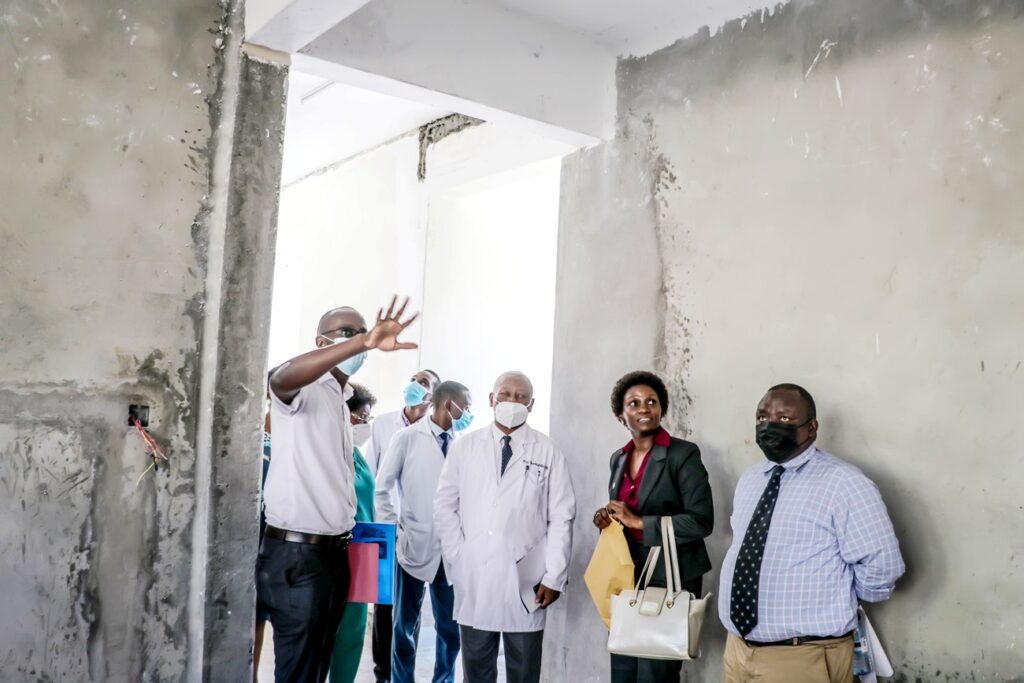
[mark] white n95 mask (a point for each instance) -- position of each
(360, 434)
(510, 415)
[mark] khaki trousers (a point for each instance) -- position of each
(817, 661)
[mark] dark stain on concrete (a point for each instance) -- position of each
(793, 34)
(437, 130)
(810, 39)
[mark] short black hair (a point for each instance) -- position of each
(361, 396)
(431, 372)
(812, 410)
(447, 390)
(634, 379)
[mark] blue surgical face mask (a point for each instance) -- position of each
(464, 420)
(414, 394)
(351, 366)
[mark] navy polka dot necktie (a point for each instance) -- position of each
(445, 436)
(747, 573)
(506, 452)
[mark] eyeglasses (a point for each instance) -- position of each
(361, 418)
(343, 332)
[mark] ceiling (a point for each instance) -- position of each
(634, 26)
(328, 122)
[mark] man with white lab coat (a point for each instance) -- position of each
(416, 396)
(503, 511)
(411, 467)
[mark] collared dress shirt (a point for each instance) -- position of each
(629, 490)
(311, 483)
(830, 543)
(436, 430)
(409, 472)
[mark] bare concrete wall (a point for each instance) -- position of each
(111, 202)
(243, 338)
(839, 206)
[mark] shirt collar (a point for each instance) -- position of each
(794, 464)
(435, 428)
(518, 436)
(346, 393)
(662, 438)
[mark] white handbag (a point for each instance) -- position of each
(658, 623)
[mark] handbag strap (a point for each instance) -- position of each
(668, 543)
(646, 574)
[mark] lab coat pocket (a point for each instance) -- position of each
(414, 541)
(536, 474)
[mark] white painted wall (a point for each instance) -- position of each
(352, 236)
(357, 233)
(490, 283)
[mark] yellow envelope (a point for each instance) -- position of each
(610, 570)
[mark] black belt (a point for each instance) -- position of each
(796, 640)
(339, 541)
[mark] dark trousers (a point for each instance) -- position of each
(522, 655)
(637, 670)
(303, 588)
(382, 643)
(408, 606)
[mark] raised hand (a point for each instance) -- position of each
(384, 335)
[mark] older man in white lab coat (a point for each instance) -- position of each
(412, 466)
(503, 511)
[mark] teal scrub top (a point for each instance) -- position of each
(365, 488)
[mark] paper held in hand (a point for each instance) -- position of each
(530, 571)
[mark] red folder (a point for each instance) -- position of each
(364, 563)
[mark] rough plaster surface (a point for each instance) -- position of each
(105, 183)
(837, 204)
(244, 331)
(607, 317)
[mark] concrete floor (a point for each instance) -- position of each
(424, 654)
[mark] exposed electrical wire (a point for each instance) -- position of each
(155, 452)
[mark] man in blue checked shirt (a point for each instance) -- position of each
(811, 537)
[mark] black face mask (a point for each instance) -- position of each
(777, 440)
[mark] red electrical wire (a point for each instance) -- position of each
(155, 452)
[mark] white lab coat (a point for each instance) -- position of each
(384, 429)
(411, 468)
(488, 522)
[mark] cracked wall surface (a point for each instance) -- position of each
(105, 179)
(832, 191)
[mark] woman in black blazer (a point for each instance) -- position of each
(654, 475)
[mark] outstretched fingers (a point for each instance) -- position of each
(410, 320)
(401, 309)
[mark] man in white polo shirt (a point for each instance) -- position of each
(302, 572)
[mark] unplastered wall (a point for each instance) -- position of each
(113, 204)
(833, 191)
